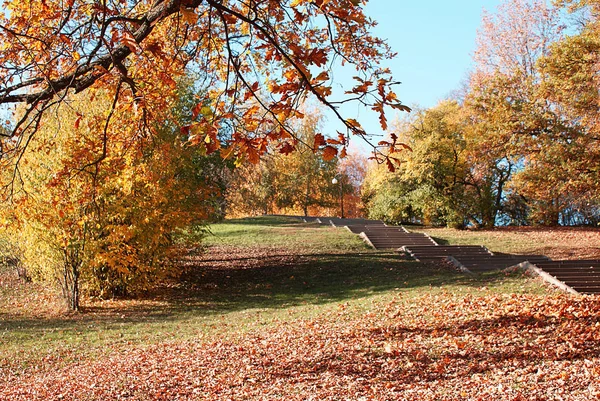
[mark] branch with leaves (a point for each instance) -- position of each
(269, 53)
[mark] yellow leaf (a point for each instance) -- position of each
(188, 15)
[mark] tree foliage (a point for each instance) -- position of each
(449, 178)
(260, 60)
(108, 228)
(296, 179)
(99, 167)
(521, 146)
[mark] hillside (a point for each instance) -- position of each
(557, 242)
(276, 309)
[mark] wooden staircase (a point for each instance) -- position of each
(577, 276)
(583, 276)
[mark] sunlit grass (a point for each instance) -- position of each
(557, 243)
(281, 270)
(488, 238)
(283, 233)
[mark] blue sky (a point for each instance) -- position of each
(434, 40)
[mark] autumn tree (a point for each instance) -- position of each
(428, 185)
(451, 176)
(273, 51)
(521, 145)
(504, 86)
(291, 179)
(305, 174)
(506, 99)
(388, 197)
(259, 61)
(570, 159)
(353, 169)
(252, 189)
(110, 231)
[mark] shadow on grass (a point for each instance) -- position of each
(441, 241)
(214, 287)
(269, 220)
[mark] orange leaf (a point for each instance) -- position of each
(405, 146)
(226, 153)
(188, 15)
(323, 76)
(286, 148)
(253, 156)
(77, 121)
(390, 165)
(319, 141)
(196, 110)
(353, 123)
(130, 42)
(329, 152)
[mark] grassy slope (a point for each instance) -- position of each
(557, 243)
(256, 271)
(272, 279)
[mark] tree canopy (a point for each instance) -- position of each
(260, 60)
(520, 145)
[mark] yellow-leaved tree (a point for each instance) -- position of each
(96, 207)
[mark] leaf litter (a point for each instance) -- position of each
(431, 346)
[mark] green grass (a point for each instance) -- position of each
(283, 233)
(280, 270)
(494, 241)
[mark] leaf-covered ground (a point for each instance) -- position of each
(431, 347)
(304, 320)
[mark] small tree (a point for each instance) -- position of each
(104, 212)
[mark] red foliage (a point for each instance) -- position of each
(434, 347)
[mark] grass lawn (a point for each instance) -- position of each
(557, 243)
(277, 309)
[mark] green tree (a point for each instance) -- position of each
(452, 176)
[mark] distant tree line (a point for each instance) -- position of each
(520, 142)
(299, 182)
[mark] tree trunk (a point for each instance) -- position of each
(307, 195)
(70, 279)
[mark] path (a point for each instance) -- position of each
(576, 276)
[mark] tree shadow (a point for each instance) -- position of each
(441, 241)
(215, 287)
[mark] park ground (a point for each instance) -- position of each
(276, 309)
